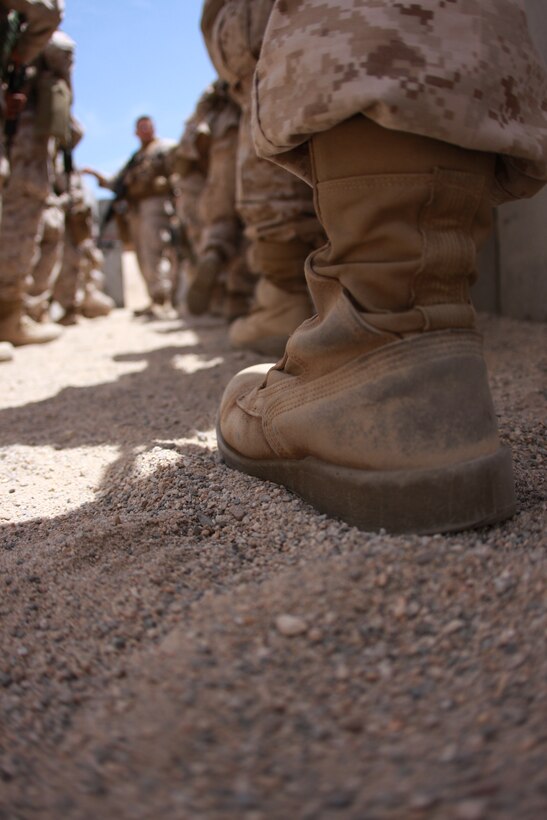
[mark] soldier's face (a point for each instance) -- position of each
(145, 130)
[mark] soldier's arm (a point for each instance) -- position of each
(104, 182)
(42, 18)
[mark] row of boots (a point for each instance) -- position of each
(18, 328)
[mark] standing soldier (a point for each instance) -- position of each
(44, 129)
(143, 188)
(380, 411)
(276, 208)
(21, 40)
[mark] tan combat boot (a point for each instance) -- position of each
(96, 303)
(380, 411)
(281, 298)
(19, 329)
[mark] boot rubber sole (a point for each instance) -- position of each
(457, 497)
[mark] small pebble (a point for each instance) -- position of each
(290, 625)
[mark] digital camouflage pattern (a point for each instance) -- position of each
(217, 205)
(47, 260)
(188, 167)
(42, 18)
(24, 201)
(31, 182)
(78, 228)
(461, 71)
(205, 160)
(233, 31)
(275, 206)
(210, 142)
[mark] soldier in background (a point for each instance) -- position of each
(44, 130)
(143, 188)
(276, 208)
(380, 411)
(19, 45)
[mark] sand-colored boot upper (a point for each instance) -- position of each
(19, 329)
(389, 374)
(276, 314)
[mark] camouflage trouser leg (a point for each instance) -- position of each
(48, 261)
(278, 213)
(18, 241)
(460, 72)
(150, 233)
(187, 205)
(68, 281)
(276, 209)
(217, 203)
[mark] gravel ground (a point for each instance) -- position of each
(180, 641)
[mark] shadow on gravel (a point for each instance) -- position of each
(161, 400)
(140, 657)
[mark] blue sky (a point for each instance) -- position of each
(133, 57)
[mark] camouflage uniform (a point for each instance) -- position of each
(403, 65)
(48, 257)
(42, 18)
(188, 162)
(276, 208)
(210, 144)
(216, 208)
(150, 208)
(31, 183)
(78, 230)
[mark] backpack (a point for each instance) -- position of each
(54, 98)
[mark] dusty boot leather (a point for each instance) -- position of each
(281, 298)
(274, 316)
(380, 411)
(19, 329)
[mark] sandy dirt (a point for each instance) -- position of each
(182, 641)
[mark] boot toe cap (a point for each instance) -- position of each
(240, 428)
